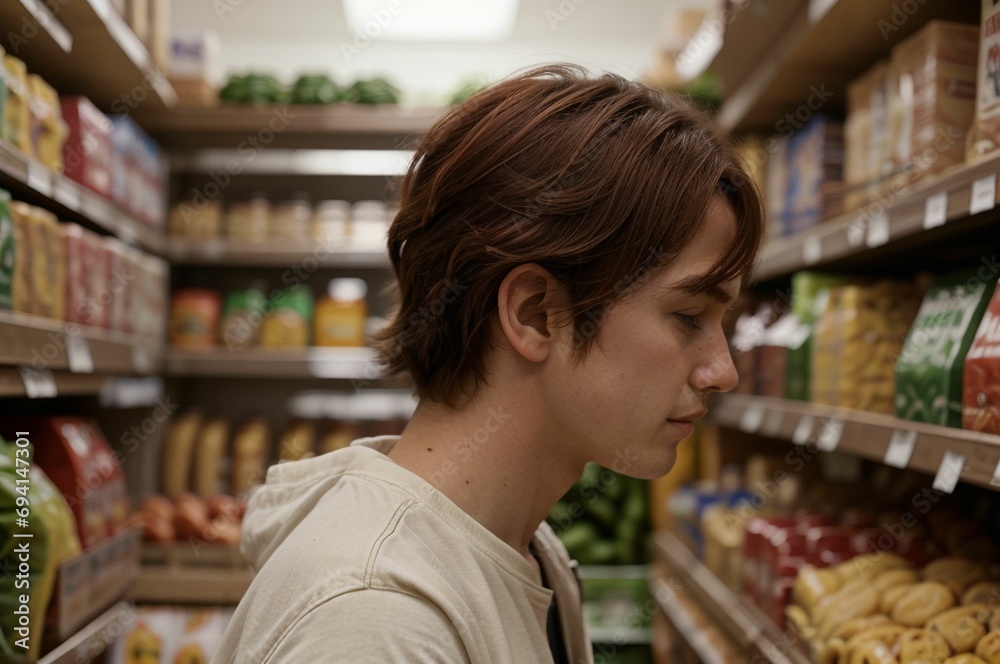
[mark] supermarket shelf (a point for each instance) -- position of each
(58, 193)
(284, 125)
(274, 253)
(191, 585)
(61, 41)
(779, 51)
(42, 343)
(90, 642)
(66, 384)
(294, 163)
(312, 362)
(743, 623)
(944, 203)
(924, 447)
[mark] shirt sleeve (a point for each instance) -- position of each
(372, 626)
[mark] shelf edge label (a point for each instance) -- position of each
(829, 434)
(78, 354)
(751, 419)
(877, 233)
(812, 250)
(900, 448)
(38, 383)
(984, 194)
(949, 472)
(936, 210)
(804, 430)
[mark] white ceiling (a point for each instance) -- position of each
(287, 37)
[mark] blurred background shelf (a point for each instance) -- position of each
(92, 640)
(168, 584)
(62, 41)
(312, 362)
(274, 253)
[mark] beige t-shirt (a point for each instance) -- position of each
(360, 560)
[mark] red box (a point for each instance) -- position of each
(77, 458)
(100, 295)
(981, 377)
(87, 151)
(75, 247)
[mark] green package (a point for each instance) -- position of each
(7, 248)
(930, 366)
(806, 287)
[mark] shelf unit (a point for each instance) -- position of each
(275, 253)
(312, 362)
(56, 192)
(943, 203)
(937, 450)
(743, 623)
(180, 573)
(776, 53)
(62, 42)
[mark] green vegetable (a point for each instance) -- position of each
(316, 89)
(468, 89)
(375, 91)
(600, 552)
(579, 535)
(253, 89)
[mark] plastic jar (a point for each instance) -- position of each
(290, 218)
(249, 219)
(341, 314)
(331, 221)
(194, 318)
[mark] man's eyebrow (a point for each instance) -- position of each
(696, 285)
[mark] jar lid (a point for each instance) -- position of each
(347, 290)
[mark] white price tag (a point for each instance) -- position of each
(936, 210)
(878, 231)
(142, 363)
(996, 475)
(804, 430)
(772, 423)
(751, 418)
(812, 250)
(38, 383)
(829, 434)
(984, 194)
(900, 448)
(67, 193)
(39, 178)
(78, 354)
(949, 472)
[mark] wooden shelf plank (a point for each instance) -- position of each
(310, 362)
(776, 53)
(274, 253)
(862, 434)
(286, 125)
(41, 343)
(846, 237)
(746, 626)
(166, 584)
(126, 79)
(94, 638)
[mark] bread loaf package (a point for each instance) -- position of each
(981, 378)
(930, 366)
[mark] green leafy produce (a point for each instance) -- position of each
(316, 89)
(468, 89)
(604, 518)
(253, 89)
(375, 91)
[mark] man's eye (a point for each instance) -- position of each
(689, 321)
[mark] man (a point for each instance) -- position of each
(566, 248)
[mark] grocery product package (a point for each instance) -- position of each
(856, 341)
(776, 179)
(47, 129)
(935, 74)
(807, 305)
(816, 166)
(8, 252)
(290, 324)
(172, 635)
(981, 377)
(16, 115)
(53, 540)
(87, 150)
(863, 135)
(930, 367)
(80, 462)
(984, 137)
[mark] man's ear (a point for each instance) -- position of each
(529, 302)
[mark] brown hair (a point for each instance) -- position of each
(598, 180)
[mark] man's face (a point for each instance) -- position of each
(658, 353)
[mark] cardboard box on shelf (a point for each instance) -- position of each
(984, 138)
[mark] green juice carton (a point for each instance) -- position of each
(930, 367)
(807, 305)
